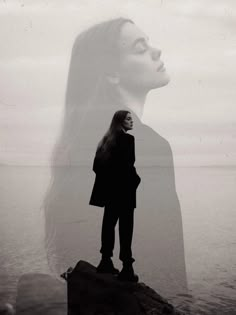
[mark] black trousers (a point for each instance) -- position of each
(125, 216)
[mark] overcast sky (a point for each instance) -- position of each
(196, 112)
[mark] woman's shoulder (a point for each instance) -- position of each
(126, 135)
(124, 139)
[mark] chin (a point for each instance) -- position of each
(163, 82)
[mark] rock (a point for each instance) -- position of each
(90, 293)
(41, 294)
(87, 293)
(7, 309)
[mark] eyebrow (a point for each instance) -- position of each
(140, 39)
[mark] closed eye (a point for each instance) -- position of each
(141, 48)
(140, 45)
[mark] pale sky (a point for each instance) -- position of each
(196, 112)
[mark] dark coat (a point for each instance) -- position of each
(116, 180)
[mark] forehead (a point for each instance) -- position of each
(128, 35)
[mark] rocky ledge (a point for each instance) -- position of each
(86, 292)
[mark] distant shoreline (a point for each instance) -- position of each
(144, 166)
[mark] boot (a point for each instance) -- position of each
(106, 266)
(127, 273)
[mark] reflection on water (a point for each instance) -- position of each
(209, 219)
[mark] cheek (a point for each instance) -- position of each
(135, 66)
(141, 72)
(137, 71)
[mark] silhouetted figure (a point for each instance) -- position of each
(113, 67)
(115, 188)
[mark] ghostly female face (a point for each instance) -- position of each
(140, 68)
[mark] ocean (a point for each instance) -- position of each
(208, 203)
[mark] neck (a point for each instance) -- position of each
(134, 101)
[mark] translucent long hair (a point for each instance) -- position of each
(88, 111)
(95, 54)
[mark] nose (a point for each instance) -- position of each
(155, 53)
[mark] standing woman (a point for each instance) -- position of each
(114, 67)
(115, 189)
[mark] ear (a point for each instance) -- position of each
(113, 78)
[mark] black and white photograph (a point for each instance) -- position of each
(118, 157)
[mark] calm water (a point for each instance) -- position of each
(207, 197)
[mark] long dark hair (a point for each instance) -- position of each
(109, 139)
